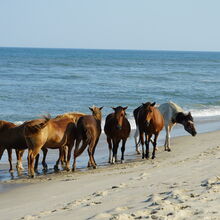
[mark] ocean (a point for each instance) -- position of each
(35, 82)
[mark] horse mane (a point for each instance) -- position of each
(5, 125)
(34, 126)
(71, 115)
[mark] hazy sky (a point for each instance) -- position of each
(111, 24)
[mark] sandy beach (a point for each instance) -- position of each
(182, 184)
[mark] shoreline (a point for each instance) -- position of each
(179, 184)
(101, 154)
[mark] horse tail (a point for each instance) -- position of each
(30, 129)
(2, 149)
(88, 135)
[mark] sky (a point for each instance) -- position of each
(192, 25)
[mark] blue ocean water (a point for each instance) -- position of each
(40, 81)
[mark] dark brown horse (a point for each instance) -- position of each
(88, 131)
(117, 128)
(12, 137)
(54, 133)
(150, 122)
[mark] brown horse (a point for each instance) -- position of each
(12, 137)
(117, 128)
(88, 131)
(54, 133)
(150, 121)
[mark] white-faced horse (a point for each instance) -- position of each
(172, 114)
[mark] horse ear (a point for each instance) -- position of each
(125, 108)
(91, 109)
(189, 114)
(101, 108)
(113, 108)
(153, 104)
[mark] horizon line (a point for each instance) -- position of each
(71, 48)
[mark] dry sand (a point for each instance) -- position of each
(182, 184)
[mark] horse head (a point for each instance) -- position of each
(148, 109)
(96, 112)
(119, 115)
(187, 121)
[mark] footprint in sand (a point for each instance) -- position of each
(121, 185)
(101, 193)
(103, 216)
(123, 208)
(212, 183)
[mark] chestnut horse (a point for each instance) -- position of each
(12, 137)
(56, 133)
(117, 128)
(88, 131)
(150, 121)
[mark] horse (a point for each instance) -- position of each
(12, 137)
(88, 131)
(150, 122)
(117, 128)
(173, 114)
(56, 133)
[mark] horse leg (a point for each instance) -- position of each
(168, 142)
(78, 152)
(68, 150)
(90, 151)
(44, 164)
(142, 143)
(32, 155)
(36, 163)
(19, 154)
(66, 155)
(154, 145)
(93, 150)
(9, 150)
(56, 166)
(136, 134)
(167, 138)
(110, 149)
(115, 150)
(123, 150)
(147, 143)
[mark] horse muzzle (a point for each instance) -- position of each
(147, 123)
(119, 127)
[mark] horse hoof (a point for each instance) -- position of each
(168, 150)
(122, 161)
(152, 157)
(32, 176)
(94, 167)
(44, 170)
(138, 152)
(73, 169)
(56, 168)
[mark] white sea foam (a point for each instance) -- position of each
(206, 112)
